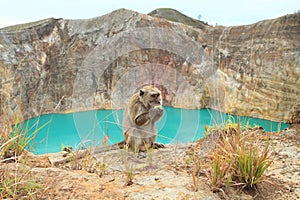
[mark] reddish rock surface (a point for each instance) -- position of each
(58, 65)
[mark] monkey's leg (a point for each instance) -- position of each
(158, 146)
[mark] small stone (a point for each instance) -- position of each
(67, 187)
(142, 155)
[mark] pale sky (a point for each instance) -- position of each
(223, 12)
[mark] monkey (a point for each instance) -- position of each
(144, 109)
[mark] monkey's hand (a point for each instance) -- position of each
(156, 113)
(143, 119)
(158, 107)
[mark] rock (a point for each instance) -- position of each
(166, 175)
(63, 156)
(57, 158)
(295, 115)
(36, 160)
(59, 65)
(67, 187)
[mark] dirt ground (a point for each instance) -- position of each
(159, 174)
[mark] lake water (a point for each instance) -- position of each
(82, 129)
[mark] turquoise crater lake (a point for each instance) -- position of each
(84, 129)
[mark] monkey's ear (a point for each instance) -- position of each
(142, 92)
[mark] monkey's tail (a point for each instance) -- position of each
(119, 145)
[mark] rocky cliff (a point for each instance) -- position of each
(59, 65)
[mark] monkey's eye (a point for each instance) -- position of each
(154, 95)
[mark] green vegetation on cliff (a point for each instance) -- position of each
(18, 27)
(175, 16)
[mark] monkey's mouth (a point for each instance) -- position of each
(157, 102)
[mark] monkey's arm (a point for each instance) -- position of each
(139, 115)
(142, 119)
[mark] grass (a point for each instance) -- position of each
(230, 124)
(128, 166)
(15, 180)
(75, 159)
(16, 183)
(129, 173)
(102, 168)
(195, 172)
(241, 158)
(149, 151)
(220, 174)
(16, 137)
(251, 164)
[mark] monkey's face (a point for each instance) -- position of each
(150, 96)
(155, 99)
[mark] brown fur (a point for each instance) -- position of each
(144, 109)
